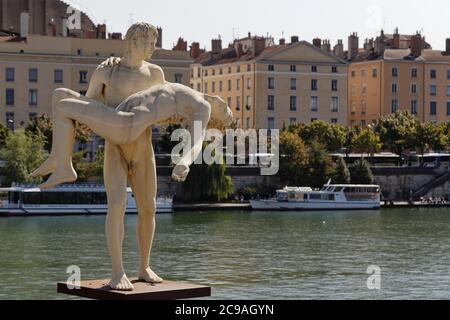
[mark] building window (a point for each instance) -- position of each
(363, 123)
(238, 103)
(313, 120)
(238, 69)
(363, 106)
(249, 68)
(448, 74)
(313, 68)
(413, 88)
(33, 75)
(271, 67)
(293, 68)
(83, 76)
(353, 106)
(198, 72)
(314, 104)
(448, 108)
(9, 74)
(414, 73)
(229, 69)
(292, 121)
(229, 85)
(293, 84)
(33, 97)
(229, 102)
(335, 104)
(314, 85)
(293, 103)
(353, 90)
(433, 74)
(334, 69)
(414, 105)
(271, 103)
(395, 72)
(238, 122)
(199, 87)
(433, 90)
(248, 124)
(248, 105)
(9, 97)
(83, 92)
(433, 108)
(334, 121)
(58, 76)
(394, 88)
(374, 72)
(178, 78)
(238, 84)
(270, 123)
(334, 85)
(271, 83)
(364, 89)
(394, 105)
(206, 87)
(10, 120)
(213, 72)
(249, 83)
(79, 52)
(206, 73)
(363, 73)
(448, 90)
(220, 86)
(32, 116)
(213, 86)
(353, 73)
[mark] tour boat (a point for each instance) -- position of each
(330, 197)
(65, 199)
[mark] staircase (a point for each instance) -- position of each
(437, 182)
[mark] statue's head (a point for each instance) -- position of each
(220, 111)
(141, 39)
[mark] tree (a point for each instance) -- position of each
(329, 135)
(396, 131)
(293, 158)
(88, 170)
(165, 144)
(207, 183)
(366, 141)
(320, 166)
(22, 155)
(361, 173)
(4, 133)
(429, 136)
(341, 173)
(43, 126)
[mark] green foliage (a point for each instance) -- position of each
(341, 173)
(329, 135)
(294, 158)
(87, 170)
(4, 133)
(320, 168)
(164, 143)
(22, 155)
(429, 136)
(361, 173)
(366, 141)
(252, 192)
(207, 183)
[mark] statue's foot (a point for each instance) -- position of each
(120, 282)
(59, 177)
(46, 168)
(149, 276)
(180, 173)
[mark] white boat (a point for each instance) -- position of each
(65, 199)
(331, 197)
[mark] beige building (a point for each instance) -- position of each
(269, 86)
(414, 79)
(30, 69)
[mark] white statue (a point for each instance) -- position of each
(126, 126)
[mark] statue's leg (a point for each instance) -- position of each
(50, 164)
(144, 184)
(201, 116)
(115, 173)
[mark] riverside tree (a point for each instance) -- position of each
(361, 172)
(329, 135)
(341, 173)
(366, 141)
(293, 158)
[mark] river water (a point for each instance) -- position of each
(244, 255)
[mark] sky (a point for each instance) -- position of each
(203, 20)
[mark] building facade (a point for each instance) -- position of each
(271, 86)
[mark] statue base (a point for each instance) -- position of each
(168, 290)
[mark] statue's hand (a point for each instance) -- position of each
(110, 62)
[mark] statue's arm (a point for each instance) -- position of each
(96, 85)
(157, 74)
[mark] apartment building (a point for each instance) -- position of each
(271, 86)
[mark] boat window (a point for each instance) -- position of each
(338, 189)
(315, 196)
(14, 197)
(305, 197)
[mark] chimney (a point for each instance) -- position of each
(317, 42)
(396, 40)
(416, 45)
(326, 45)
(338, 49)
(294, 39)
(159, 40)
(116, 36)
(259, 44)
(216, 46)
(181, 45)
(101, 31)
(195, 50)
(282, 41)
(238, 48)
(24, 24)
(447, 46)
(368, 45)
(353, 46)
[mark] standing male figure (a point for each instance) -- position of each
(111, 83)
